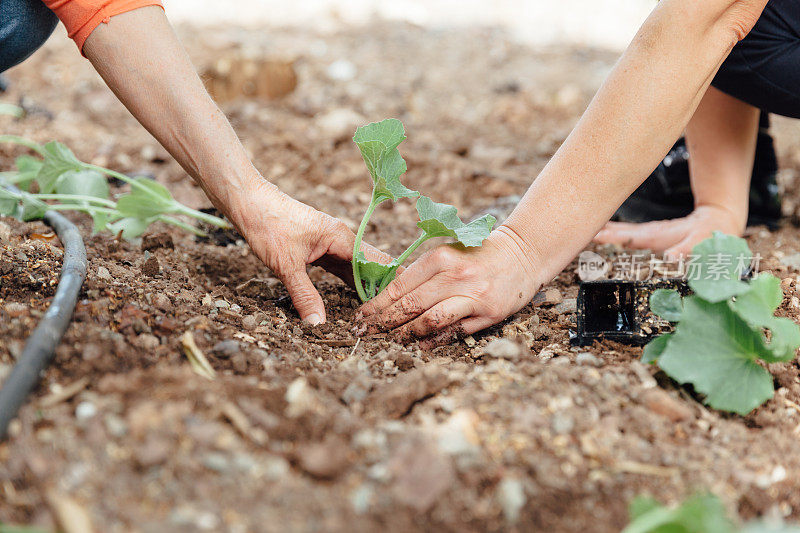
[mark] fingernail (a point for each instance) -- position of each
(314, 319)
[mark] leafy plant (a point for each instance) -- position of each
(378, 144)
(72, 185)
(724, 329)
(701, 513)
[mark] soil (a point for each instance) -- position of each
(310, 428)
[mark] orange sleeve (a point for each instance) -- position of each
(81, 17)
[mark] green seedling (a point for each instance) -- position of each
(66, 183)
(724, 329)
(701, 513)
(378, 144)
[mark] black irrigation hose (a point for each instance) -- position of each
(41, 345)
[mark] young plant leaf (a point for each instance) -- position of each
(28, 168)
(32, 208)
(717, 265)
(57, 160)
(131, 227)
(716, 351)
(83, 183)
(655, 348)
(441, 220)
(11, 109)
(757, 307)
(375, 275)
(667, 304)
(378, 144)
(9, 203)
(146, 200)
(703, 513)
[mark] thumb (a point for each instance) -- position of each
(305, 297)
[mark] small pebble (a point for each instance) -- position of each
(511, 495)
(85, 410)
(5, 232)
(226, 348)
(562, 423)
(103, 273)
(585, 358)
(662, 403)
(16, 310)
(162, 302)
(569, 305)
(503, 349)
(249, 322)
(151, 266)
(341, 70)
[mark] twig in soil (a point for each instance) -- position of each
(632, 467)
(64, 394)
(70, 516)
(242, 424)
(791, 404)
(196, 357)
(355, 347)
(336, 343)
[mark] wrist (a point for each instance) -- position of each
(525, 255)
(236, 195)
(729, 220)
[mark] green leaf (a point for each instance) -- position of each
(28, 169)
(83, 183)
(147, 199)
(783, 343)
(667, 304)
(441, 220)
(100, 220)
(655, 348)
(703, 513)
(131, 227)
(11, 109)
(9, 528)
(716, 351)
(757, 307)
(378, 144)
(375, 275)
(9, 204)
(716, 266)
(32, 209)
(57, 160)
(642, 505)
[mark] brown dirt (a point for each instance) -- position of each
(309, 428)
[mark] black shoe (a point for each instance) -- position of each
(667, 193)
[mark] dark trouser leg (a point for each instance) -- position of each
(24, 26)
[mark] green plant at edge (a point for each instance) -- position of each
(77, 186)
(701, 513)
(378, 144)
(724, 328)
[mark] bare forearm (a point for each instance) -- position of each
(633, 120)
(722, 140)
(142, 61)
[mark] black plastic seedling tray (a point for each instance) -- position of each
(619, 310)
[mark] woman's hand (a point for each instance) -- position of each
(453, 291)
(287, 235)
(674, 237)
